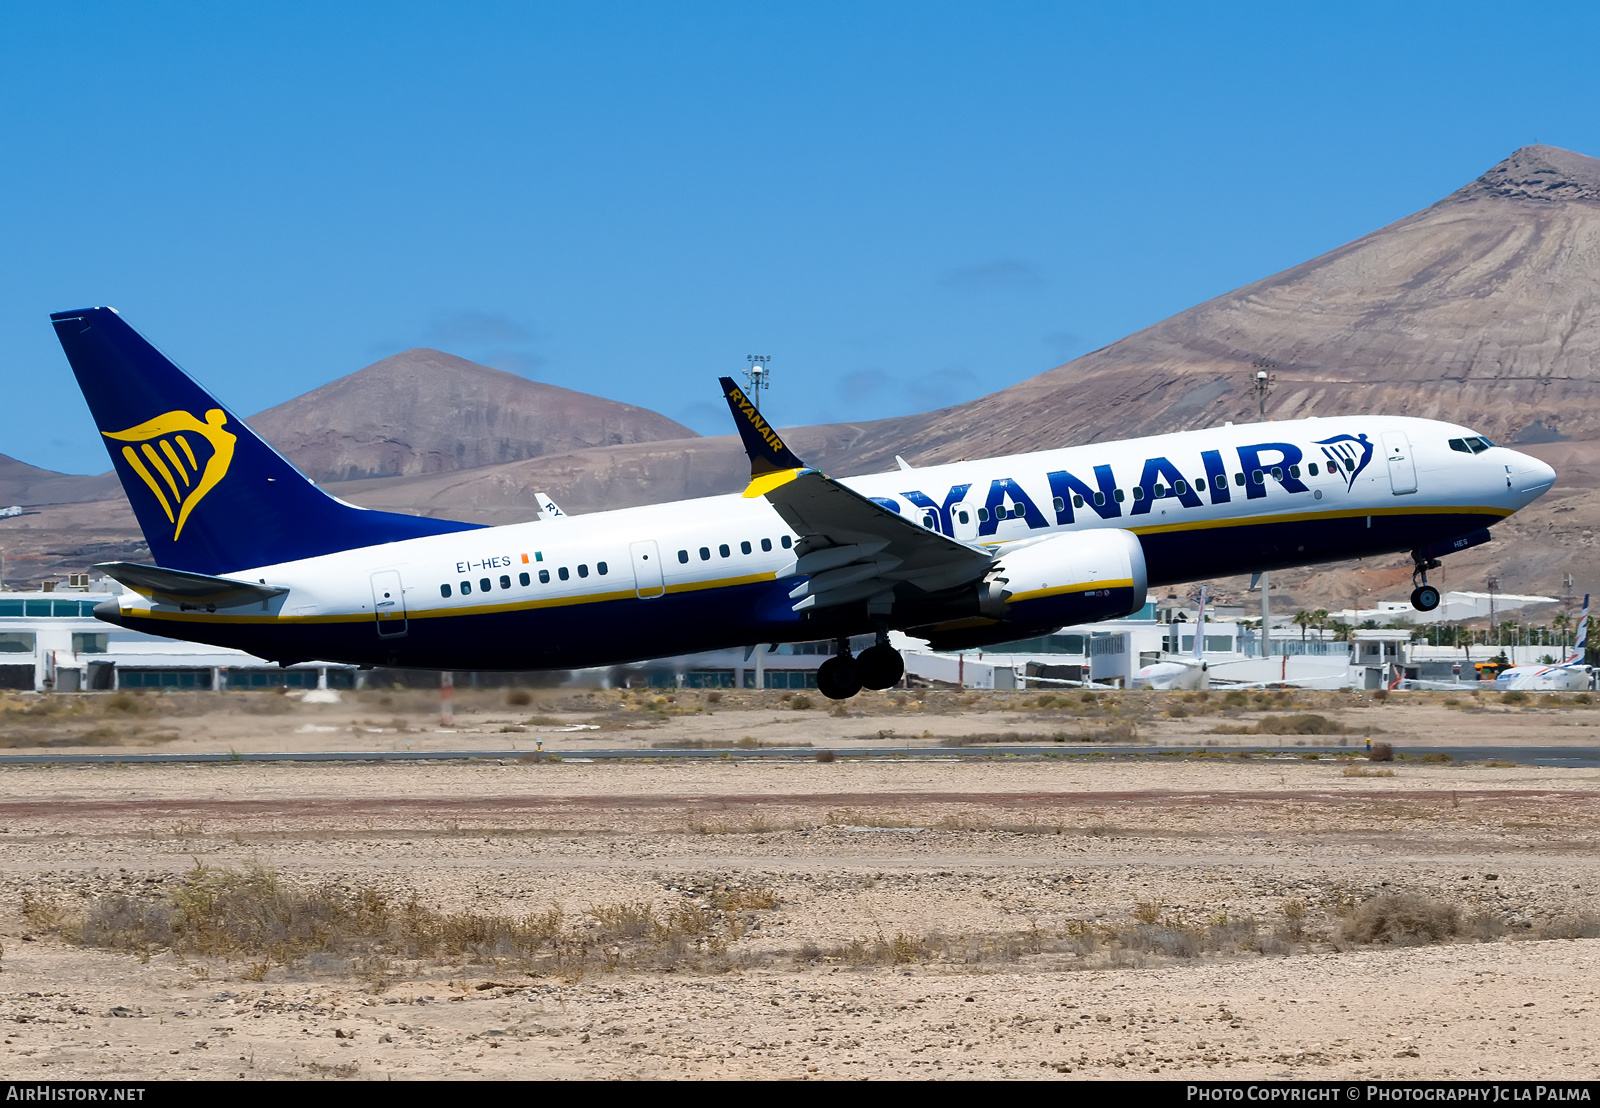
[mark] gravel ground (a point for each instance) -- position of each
(986, 875)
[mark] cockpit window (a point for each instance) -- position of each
(1475, 444)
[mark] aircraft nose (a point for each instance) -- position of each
(1532, 478)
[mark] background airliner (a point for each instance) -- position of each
(1569, 675)
(249, 553)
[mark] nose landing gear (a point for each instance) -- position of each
(1424, 597)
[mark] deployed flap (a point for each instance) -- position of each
(182, 587)
(851, 548)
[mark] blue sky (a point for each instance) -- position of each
(905, 205)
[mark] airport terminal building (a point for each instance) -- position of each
(51, 641)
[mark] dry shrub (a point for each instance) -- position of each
(1380, 752)
(1363, 771)
(1307, 723)
(800, 703)
(519, 698)
(1582, 926)
(1514, 696)
(713, 698)
(253, 916)
(825, 756)
(1438, 757)
(1401, 919)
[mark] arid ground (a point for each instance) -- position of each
(1307, 914)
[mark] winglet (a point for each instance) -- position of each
(768, 454)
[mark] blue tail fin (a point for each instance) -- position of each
(210, 496)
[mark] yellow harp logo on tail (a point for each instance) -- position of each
(166, 459)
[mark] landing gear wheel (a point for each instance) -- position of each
(839, 678)
(880, 666)
(1424, 598)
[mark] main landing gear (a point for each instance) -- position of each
(878, 667)
(1424, 598)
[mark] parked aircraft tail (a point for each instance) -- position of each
(1580, 648)
(210, 496)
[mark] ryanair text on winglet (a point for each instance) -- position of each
(748, 410)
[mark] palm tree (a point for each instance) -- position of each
(1561, 622)
(1303, 620)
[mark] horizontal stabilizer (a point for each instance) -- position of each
(183, 587)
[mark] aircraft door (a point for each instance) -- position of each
(647, 569)
(1402, 469)
(964, 520)
(389, 602)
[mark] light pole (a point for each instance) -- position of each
(758, 376)
(1261, 384)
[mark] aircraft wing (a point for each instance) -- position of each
(183, 587)
(851, 548)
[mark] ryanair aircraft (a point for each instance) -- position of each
(249, 553)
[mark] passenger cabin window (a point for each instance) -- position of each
(583, 570)
(563, 574)
(444, 590)
(744, 547)
(1313, 469)
(1238, 478)
(1118, 496)
(1059, 504)
(786, 541)
(544, 577)
(929, 522)
(1258, 477)
(1181, 488)
(1100, 499)
(1138, 492)
(1077, 501)
(723, 550)
(466, 588)
(1294, 471)
(766, 544)
(484, 584)
(683, 556)
(524, 580)
(705, 553)
(1277, 473)
(983, 515)
(600, 568)
(963, 516)
(505, 582)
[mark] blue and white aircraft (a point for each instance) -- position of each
(249, 553)
(1567, 676)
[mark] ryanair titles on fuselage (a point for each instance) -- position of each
(1096, 488)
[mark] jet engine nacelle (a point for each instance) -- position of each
(1076, 577)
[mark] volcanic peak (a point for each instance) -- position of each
(1543, 173)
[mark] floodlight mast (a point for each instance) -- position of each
(1261, 384)
(758, 376)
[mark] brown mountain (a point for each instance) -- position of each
(424, 411)
(21, 483)
(1480, 309)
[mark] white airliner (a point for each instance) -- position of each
(1568, 676)
(249, 553)
(1177, 671)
